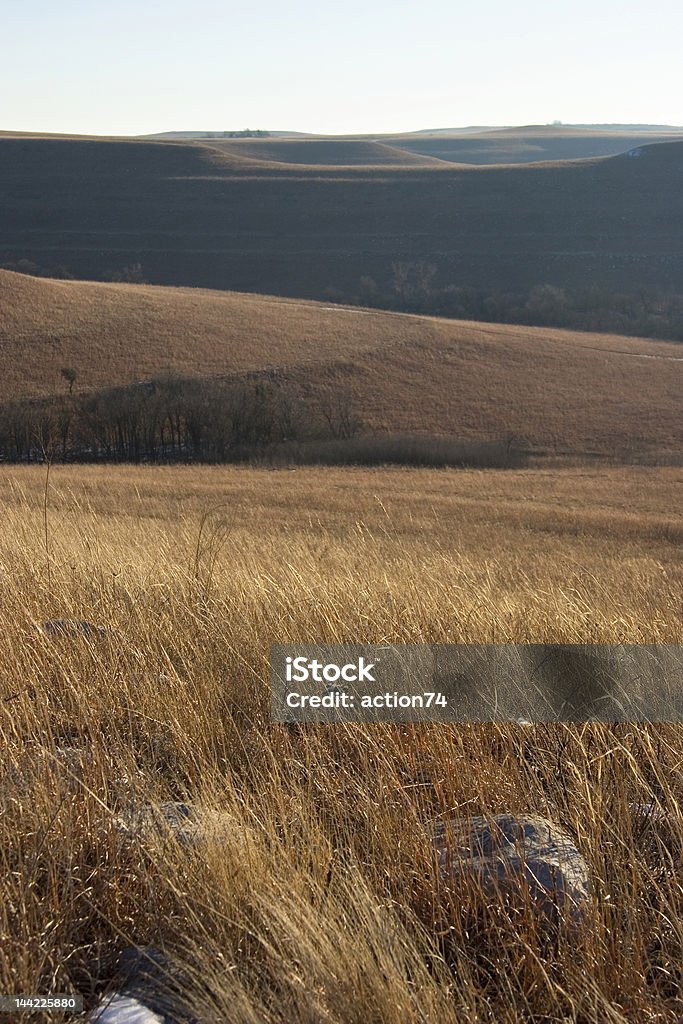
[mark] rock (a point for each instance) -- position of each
(74, 628)
(119, 1009)
(181, 821)
(149, 991)
(64, 762)
(67, 766)
(148, 820)
(656, 837)
(506, 853)
(646, 814)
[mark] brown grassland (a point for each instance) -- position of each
(324, 904)
(559, 391)
(319, 899)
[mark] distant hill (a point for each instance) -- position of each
(470, 130)
(560, 390)
(472, 145)
(658, 129)
(554, 126)
(316, 152)
(632, 127)
(532, 144)
(188, 213)
(202, 135)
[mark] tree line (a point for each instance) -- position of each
(168, 419)
(262, 419)
(416, 287)
(419, 286)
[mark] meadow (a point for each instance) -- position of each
(323, 902)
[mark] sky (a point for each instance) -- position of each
(358, 66)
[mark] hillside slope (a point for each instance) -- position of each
(193, 214)
(326, 152)
(529, 145)
(561, 390)
(514, 145)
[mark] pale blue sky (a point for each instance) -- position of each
(136, 66)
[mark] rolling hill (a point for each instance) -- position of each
(216, 216)
(475, 145)
(535, 143)
(327, 152)
(562, 391)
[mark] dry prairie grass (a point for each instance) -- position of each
(559, 390)
(324, 903)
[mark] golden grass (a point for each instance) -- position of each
(559, 390)
(324, 903)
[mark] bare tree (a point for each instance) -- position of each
(413, 280)
(69, 375)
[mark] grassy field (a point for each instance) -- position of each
(217, 216)
(558, 391)
(323, 902)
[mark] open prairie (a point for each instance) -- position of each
(559, 391)
(552, 554)
(341, 547)
(318, 897)
(139, 603)
(209, 215)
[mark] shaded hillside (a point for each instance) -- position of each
(326, 152)
(190, 214)
(481, 146)
(557, 389)
(528, 145)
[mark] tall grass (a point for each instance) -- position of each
(320, 899)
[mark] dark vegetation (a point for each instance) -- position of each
(172, 419)
(415, 288)
(590, 244)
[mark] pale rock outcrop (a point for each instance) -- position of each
(182, 822)
(149, 990)
(512, 854)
